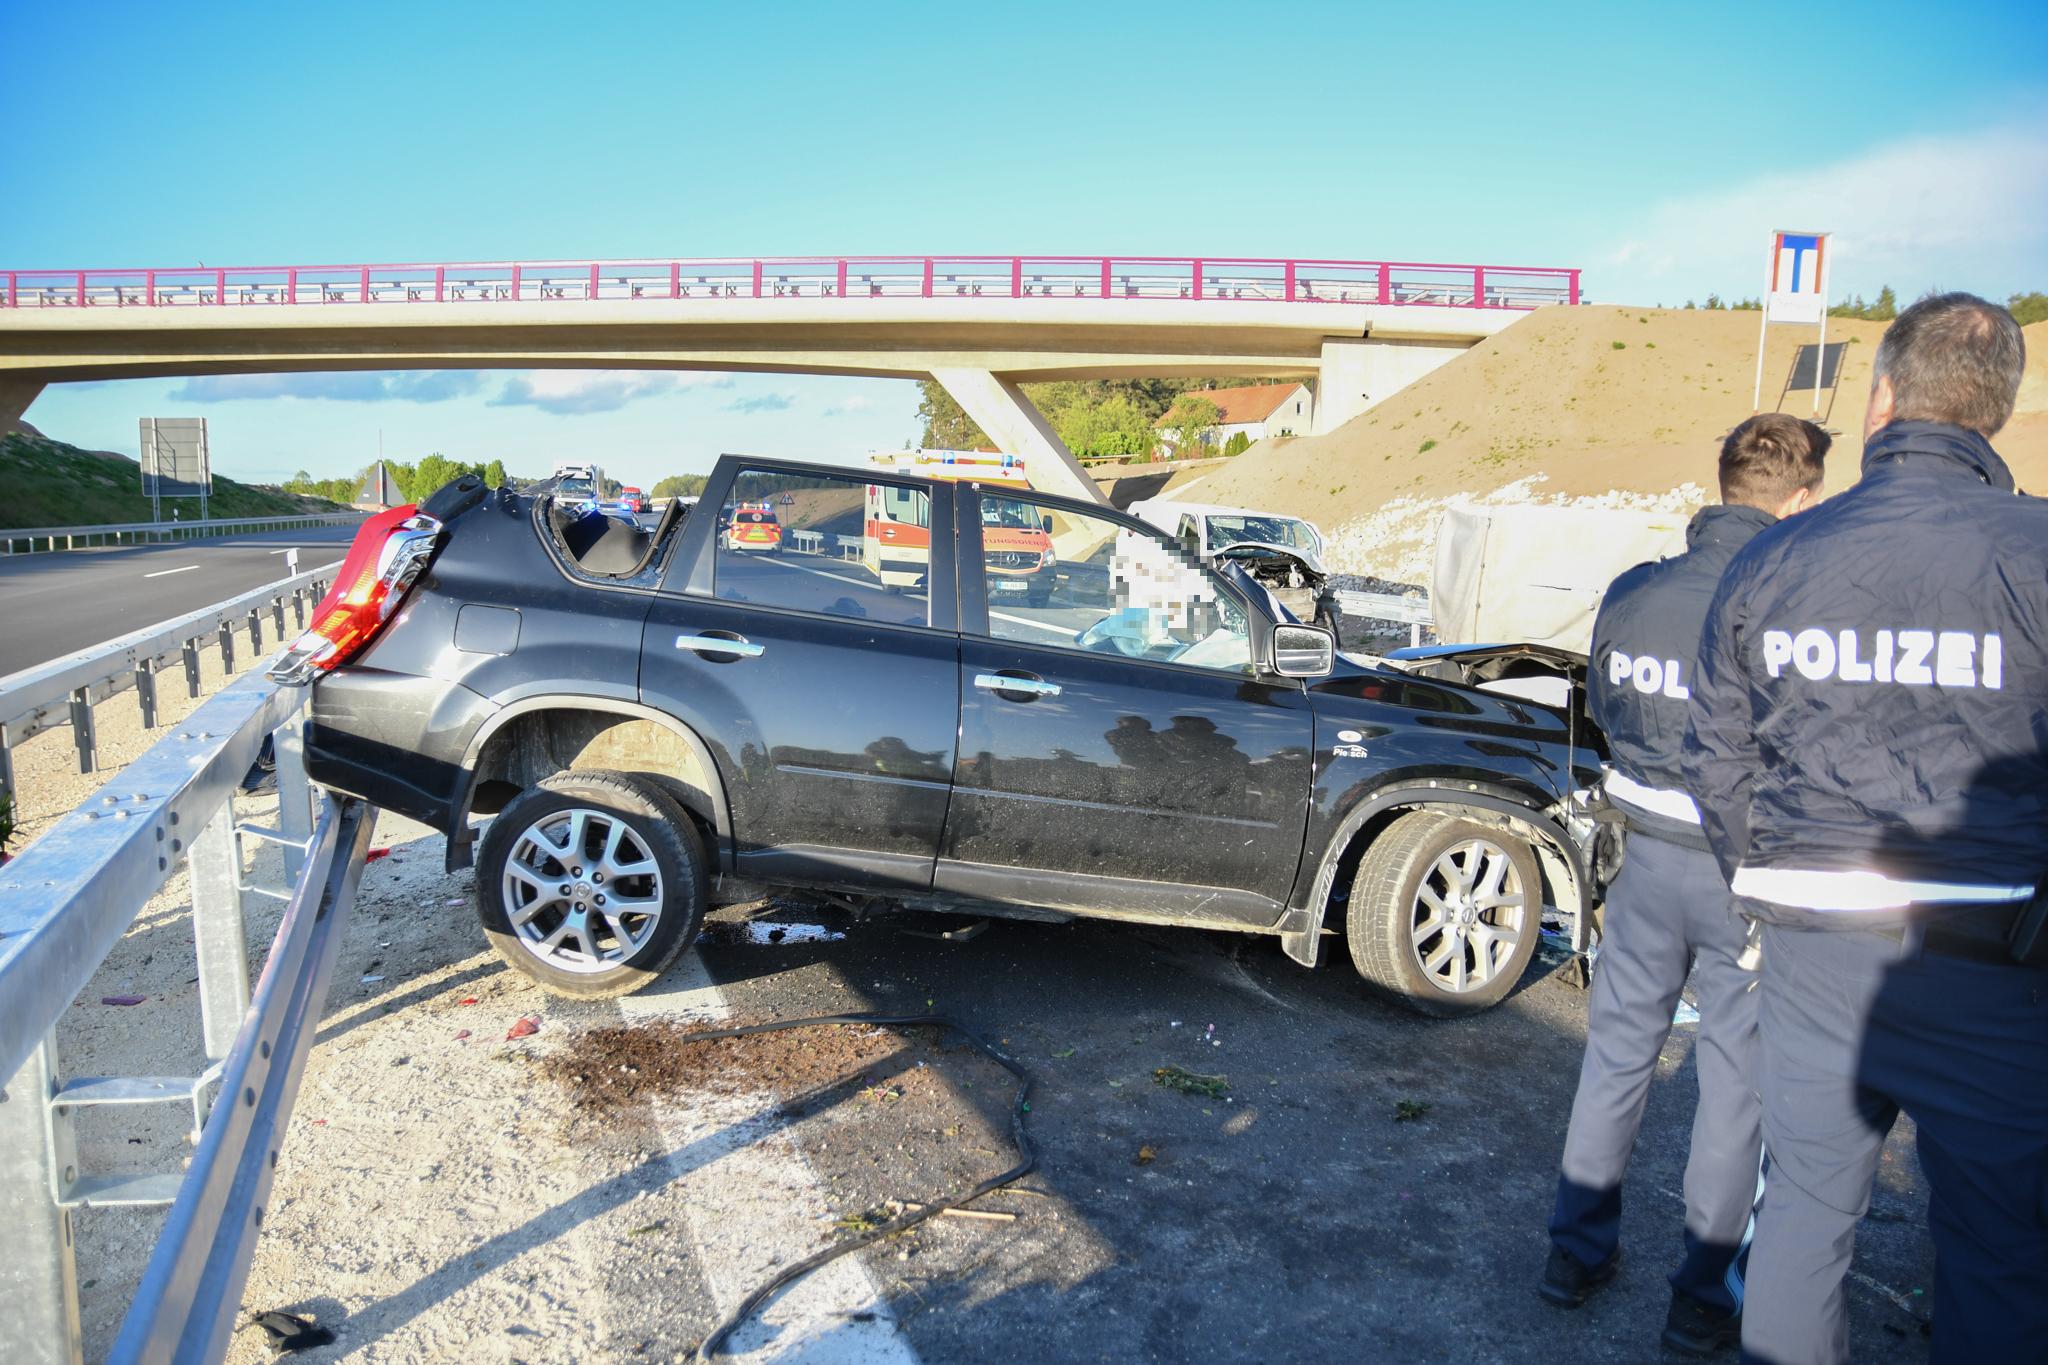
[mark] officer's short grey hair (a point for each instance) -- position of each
(1953, 358)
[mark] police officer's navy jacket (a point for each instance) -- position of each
(1645, 643)
(1870, 720)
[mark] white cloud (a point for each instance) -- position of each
(849, 407)
(762, 402)
(1959, 211)
(580, 391)
(347, 386)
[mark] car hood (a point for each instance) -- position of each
(1256, 549)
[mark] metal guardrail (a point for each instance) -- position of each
(65, 690)
(64, 904)
(159, 532)
(1212, 278)
(1387, 606)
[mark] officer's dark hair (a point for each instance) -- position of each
(1769, 458)
(1953, 358)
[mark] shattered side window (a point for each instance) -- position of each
(1071, 580)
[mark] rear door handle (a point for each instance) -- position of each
(713, 644)
(996, 682)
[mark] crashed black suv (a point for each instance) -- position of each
(894, 708)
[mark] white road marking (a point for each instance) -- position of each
(161, 573)
(284, 551)
(754, 1204)
(1056, 632)
(1065, 635)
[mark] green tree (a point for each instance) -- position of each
(494, 474)
(1190, 416)
(2028, 309)
(1238, 444)
(433, 473)
(679, 486)
(1111, 429)
(946, 424)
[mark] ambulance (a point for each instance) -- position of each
(754, 527)
(1016, 545)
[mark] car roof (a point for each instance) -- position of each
(1213, 509)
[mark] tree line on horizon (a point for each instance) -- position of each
(2027, 309)
(1096, 419)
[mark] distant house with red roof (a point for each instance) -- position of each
(1257, 410)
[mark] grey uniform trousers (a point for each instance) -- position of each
(1857, 1028)
(1669, 906)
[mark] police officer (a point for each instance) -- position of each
(1671, 907)
(1869, 752)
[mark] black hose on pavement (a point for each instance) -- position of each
(1028, 1163)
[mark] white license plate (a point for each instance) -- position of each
(1010, 585)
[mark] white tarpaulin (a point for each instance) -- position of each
(1536, 574)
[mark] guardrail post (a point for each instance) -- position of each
(145, 692)
(191, 652)
(277, 616)
(81, 730)
(1290, 282)
(227, 648)
(255, 631)
(39, 1276)
(299, 608)
(219, 931)
(294, 792)
(757, 279)
(1479, 286)
(1386, 284)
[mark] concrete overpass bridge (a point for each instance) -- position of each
(980, 325)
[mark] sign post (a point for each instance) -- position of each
(175, 462)
(1795, 290)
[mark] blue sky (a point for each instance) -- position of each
(1654, 146)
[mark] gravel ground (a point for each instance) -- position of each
(1366, 1182)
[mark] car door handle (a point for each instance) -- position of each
(713, 644)
(996, 682)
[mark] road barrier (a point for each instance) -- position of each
(64, 904)
(160, 532)
(1213, 278)
(65, 690)
(1387, 606)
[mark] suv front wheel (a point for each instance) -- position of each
(591, 883)
(1444, 912)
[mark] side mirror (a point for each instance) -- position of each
(1045, 525)
(1303, 651)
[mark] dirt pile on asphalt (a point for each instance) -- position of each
(1610, 405)
(611, 1067)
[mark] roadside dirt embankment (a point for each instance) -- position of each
(1600, 406)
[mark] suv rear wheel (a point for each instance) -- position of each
(1444, 912)
(591, 883)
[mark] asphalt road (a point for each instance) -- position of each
(54, 604)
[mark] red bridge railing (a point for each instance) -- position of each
(850, 277)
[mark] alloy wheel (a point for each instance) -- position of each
(1469, 916)
(582, 890)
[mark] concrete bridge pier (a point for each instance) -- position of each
(999, 407)
(1356, 373)
(16, 393)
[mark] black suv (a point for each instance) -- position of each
(657, 722)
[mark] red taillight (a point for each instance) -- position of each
(388, 554)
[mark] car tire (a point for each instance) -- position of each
(1038, 594)
(529, 855)
(1444, 913)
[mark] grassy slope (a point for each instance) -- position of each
(1553, 395)
(50, 483)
